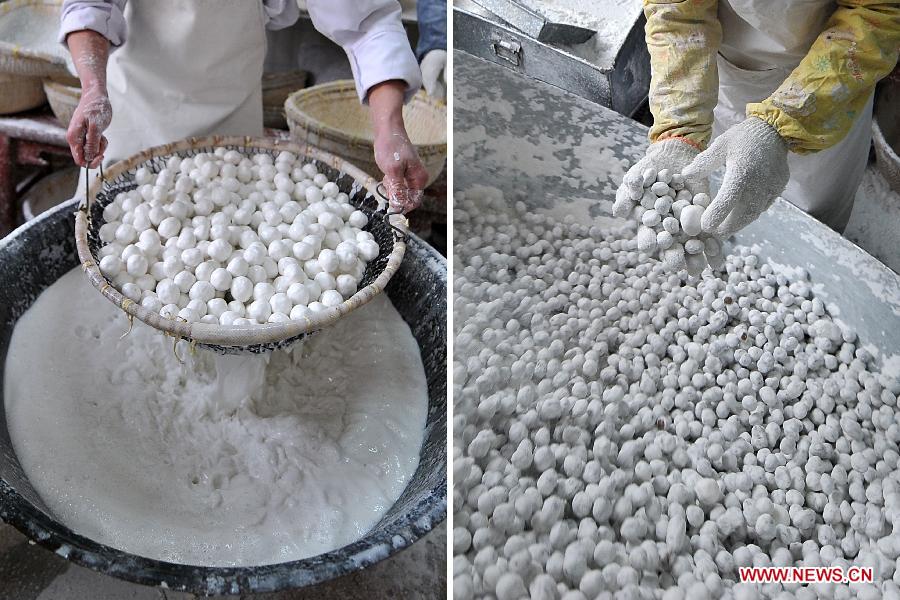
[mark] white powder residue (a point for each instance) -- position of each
(611, 19)
(875, 221)
(599, 15)
(130, 448)
(874, 276)
(891, 366)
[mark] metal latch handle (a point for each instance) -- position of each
(508, 50)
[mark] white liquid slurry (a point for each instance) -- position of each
(256, 464)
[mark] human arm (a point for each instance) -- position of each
(106, 17)
(683, 37)
(818, 103)
(386, 75)
(90, 52)
(372, 35)
(91, 29)
(812, 110)
(404, 175)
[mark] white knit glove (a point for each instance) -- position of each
(673, 155)
(434, 65)
(756, 171)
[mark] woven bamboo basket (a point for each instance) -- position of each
(63, 99)
(28, 38)
(360, 187)
(276, 87)
(20, 93)
(331, 117)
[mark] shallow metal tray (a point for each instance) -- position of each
(565, 155)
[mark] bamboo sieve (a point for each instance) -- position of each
(388, 229)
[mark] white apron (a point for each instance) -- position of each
(762, 42)
(188, 68)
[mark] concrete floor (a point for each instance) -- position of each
(29, 572)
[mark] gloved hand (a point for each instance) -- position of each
(90, 119)
(756, 171)
(671, 154)
(434, 65)
(404, 175)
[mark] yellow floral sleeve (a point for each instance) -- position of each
(817, 104)
(683, 38)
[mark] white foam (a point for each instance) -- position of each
(130, 448)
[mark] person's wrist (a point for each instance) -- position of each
(764, 133)
(387, 95)
(93, 87)
(386, 104)
(389, 124)
(675, 148)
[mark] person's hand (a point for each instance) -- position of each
(404, 175)
(90, 52)
(434, 78)
(671, 154)
(756, 172)
(395, 155)
(89, 121)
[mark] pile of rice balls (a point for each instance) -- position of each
(624, 431)
(669, 214)
(234, 239)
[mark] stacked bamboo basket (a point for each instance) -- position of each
(276, 87)
(29, 53)
(330, 116)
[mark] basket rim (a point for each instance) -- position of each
(12, 78)
(302, 117)
(16, 51)
(61, 88)
(218, 335)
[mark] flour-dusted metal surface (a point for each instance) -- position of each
(529, 20)
(560, 153)
(618, 78)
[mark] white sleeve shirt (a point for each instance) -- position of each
(372, 35)
(369, 31)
